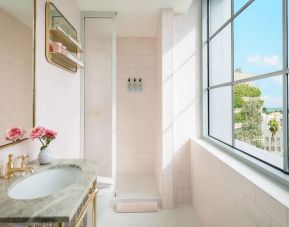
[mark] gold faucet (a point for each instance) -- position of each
(11, 170)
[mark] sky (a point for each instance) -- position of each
(258, 45)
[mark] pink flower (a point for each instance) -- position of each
(14, 134)
(37, 132)
(51, 134)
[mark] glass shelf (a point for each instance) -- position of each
(61, 36)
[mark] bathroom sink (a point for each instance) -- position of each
(44, 183)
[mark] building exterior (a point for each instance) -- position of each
(275, 143)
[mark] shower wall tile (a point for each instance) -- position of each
(165, 113)
(185, 72)
(167, 109)
(158, 119)
(174, 121)
(225, 196)
(179, 60)
(136, 134)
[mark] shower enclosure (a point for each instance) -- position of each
(135, 133)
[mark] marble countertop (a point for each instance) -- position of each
(58, 207)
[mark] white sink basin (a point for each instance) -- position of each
(44, 183)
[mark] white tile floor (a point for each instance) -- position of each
(183, 216)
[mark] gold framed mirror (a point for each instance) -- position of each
(17, 65)
(62, 47)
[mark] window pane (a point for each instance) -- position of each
(258, 39)
(221, 114)
(220, 57)
(220, 12)
(238, 4)
(258, 119)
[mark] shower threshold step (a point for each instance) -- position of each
(137, 188)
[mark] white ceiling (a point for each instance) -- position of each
(135, 17)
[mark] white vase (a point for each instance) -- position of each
(45, 156)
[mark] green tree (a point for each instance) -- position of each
(240, 117)
(244, 90)
(248, 112)
(273, 127)
(251, 131)
(264, 110)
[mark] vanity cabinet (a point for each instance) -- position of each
(80, 218)
(72, 206)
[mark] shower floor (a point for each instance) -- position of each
(137, 187)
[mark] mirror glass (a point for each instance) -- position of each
(16, 66)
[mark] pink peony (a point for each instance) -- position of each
(44, 135)
(37, 132)
(51, 134)
(14, 134)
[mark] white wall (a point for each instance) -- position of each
(57, 94)
(136, 111)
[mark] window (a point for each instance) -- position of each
(258, 48)
(252, 118)
(220, 55)
(220, 11)
(246, 63)
(238, 4)
(220, 118)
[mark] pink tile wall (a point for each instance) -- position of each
(186, 82)
(167, 109)
(57, 95)
(180, 67)
(57, 90)
(224, 198)
(158, 81)
(136, 130)
(16, 91)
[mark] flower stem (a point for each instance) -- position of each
(41, 141)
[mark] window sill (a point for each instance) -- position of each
(273, 182)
